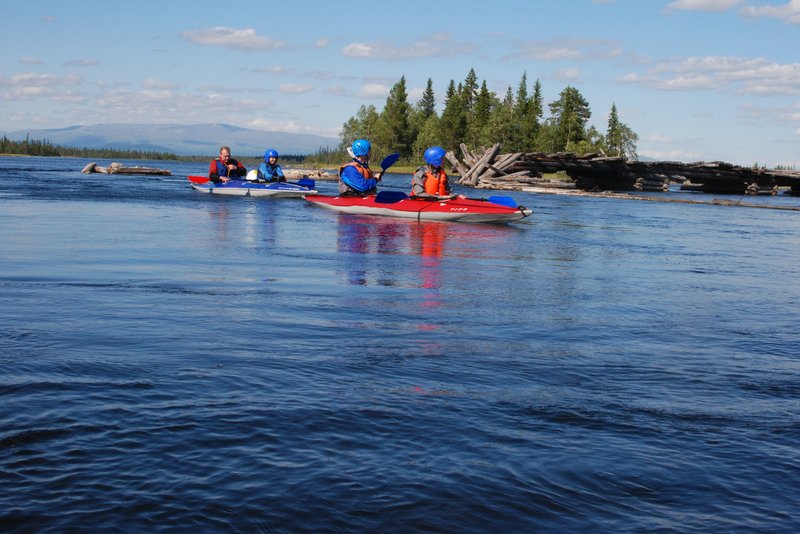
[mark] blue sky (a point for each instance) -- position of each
(711, 80)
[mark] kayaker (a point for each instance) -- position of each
(430, 180)
(355, 177)
(269, 170)
(225, 168)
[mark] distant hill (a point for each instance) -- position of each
(181, 139)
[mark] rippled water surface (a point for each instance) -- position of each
(171, 360)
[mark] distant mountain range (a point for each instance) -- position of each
(180, 139)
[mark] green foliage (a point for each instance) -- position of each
(453, 124)
(478, 117)
(393, 132)
(32, 147)
(569, 115)
(620, 139)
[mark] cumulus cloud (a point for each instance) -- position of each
(294, 88)
(318, 74)
(568, 48)
(751, 76)
(437, 45)
(152, 83)
(28, 85)
(789, 12)
(244, 39)
(702, 5)
(374, 90)
(83, 62)
(338, 90)
(567, 75)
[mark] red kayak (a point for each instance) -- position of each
(496, 209)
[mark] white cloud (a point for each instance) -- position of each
(319, 75)
(567, 75)
(30, 60)
(437, 45)
(338, 90)
(752, 76)
(789, 12)
(567, 48)
(152, 83)
(374, 90)
(244, 39)
(84, 62)
(322, 43)
(702, 5)
(295, 88)
(656, 138)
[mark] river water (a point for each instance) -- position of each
(174, 361)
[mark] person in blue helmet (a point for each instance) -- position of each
(430, 180)
(269, 170)
(355, 177)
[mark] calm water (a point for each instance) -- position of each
(173, 361)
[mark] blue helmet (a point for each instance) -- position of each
(434, 155)
(361, 147)
(271, 153)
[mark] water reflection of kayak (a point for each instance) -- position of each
(495, 209)
(302, 187)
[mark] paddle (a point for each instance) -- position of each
(387, 162)
(198, 179)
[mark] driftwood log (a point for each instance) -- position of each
(118, 168)
(490, 169)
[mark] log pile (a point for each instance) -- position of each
(491, 169)
(118, 168)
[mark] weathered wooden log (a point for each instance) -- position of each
(118, 168)
(471, 177)
(451, 157)
(469, 157)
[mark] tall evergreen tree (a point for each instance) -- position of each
(535, 114)
(453, 123)
(500, 127)
(620, 139)
(393, 132)
(570, 113)
(613, 133)
(469, 91)
(479, 118)
(427, 104)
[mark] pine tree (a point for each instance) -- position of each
(479, 120)
(570, 113)
(453, 124)
(427, 104)
(393, 132)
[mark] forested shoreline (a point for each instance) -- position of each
(43, 147)
(477, 117)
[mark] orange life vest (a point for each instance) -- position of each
(366, 172)
(436, 182)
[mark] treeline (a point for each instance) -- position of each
(35, 147)
(477, 117)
